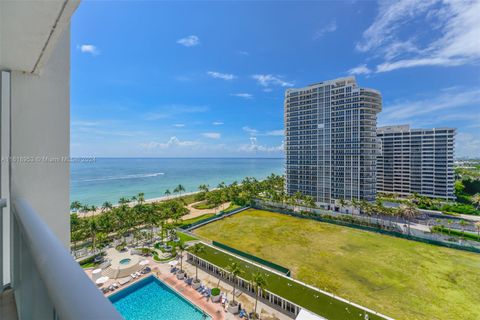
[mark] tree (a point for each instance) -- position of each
(181, 248)
(463, 224)
(197, 249)
(476, 200)
(203, 188)
(179, 189)
(75, 206)
(106, 206)
(477, 225)
(408, 212)
(258, 283)
(141, 198)
(167, 192)
(235, 270)
(92, 230)
(123, 201)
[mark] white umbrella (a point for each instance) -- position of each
(144, 262)
(102, 280)
(173, 263)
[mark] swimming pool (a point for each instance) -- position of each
(151, 299)
(125, 261)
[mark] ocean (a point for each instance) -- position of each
(108, 179)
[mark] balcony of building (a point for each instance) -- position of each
(38, 277)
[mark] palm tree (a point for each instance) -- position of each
(92, 228)
(197, 249)
(167, 192)
(258, 283)
(476, 200)
(141, 197)
(179, 189)
(408, 212)
(235, 270)
(123, 201)
(75, 206)
(181, 247)
(477, 225)
(463, 224)
(204, 188)
(106, 206)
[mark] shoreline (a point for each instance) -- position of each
(131, 204)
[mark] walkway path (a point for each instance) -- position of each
(198, 212)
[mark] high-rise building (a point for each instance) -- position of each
(331, 144)
(416, 161)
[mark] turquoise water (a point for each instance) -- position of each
(108, 179)
(150, 299)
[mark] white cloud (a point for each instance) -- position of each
(167, 111)
(243, 95)
(89, 48)
(444, 100)
(254, 132)
(267, 80)
(275, 133)
(250, 131)
(179, 125)
(467, 145)
(360, 69)
(455, 24)
(212, 135)
(172, 142)
(243, 53)
(255, 147)
(331, 27)
(219, 75)
(189, 41)
(217, 123)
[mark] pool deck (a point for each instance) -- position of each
(215, 310)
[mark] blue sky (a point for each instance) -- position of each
(163, 79)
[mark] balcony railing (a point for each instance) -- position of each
(47, 282)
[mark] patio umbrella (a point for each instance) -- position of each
(144, 262)
(173, 263)
(102, 280)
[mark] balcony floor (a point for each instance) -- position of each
(8, 309)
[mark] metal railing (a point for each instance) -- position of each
(47, 282)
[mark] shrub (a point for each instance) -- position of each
(215, 291)
(448, 231)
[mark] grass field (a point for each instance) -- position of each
(400, 278)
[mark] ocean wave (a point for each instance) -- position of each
(129, 176)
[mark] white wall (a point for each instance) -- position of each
(40, 131)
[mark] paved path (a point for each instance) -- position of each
(198, 212)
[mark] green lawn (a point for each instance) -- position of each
(400, 278)
(322, 304)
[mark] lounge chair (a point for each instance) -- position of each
(125, 280)
(138, 274)
(133, 276)
(115, 285)
(207, 293)
(189, 281)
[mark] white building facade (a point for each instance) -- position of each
(331, 145)
(416, 161)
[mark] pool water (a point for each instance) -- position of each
(125, 261)
(151, 299)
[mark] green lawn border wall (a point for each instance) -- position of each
(248, 256)
(221, 215)
(316, 217)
